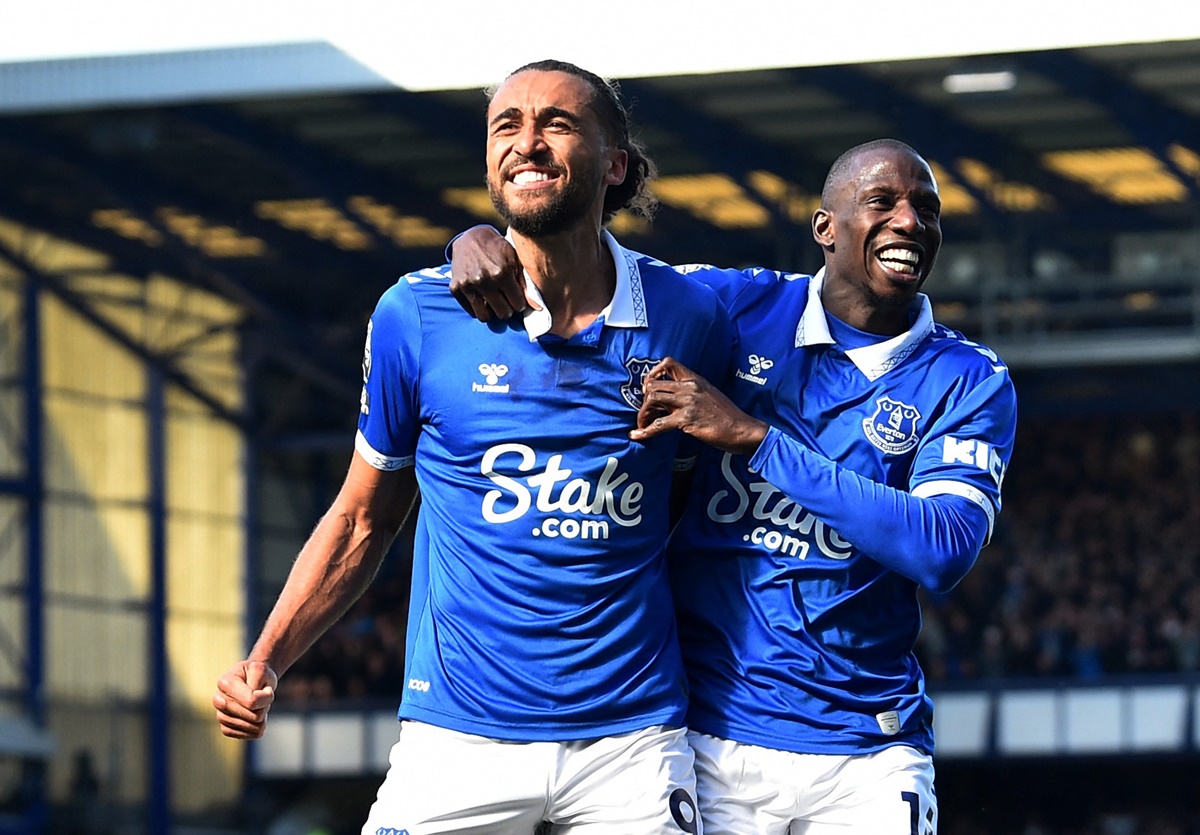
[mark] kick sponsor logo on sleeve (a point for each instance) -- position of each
(973, 453)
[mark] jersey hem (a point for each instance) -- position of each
(828, 745)
(541, 731)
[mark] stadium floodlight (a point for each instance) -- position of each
(980, 82)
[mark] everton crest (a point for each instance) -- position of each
(632, 389)
(893, 427)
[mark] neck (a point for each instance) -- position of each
(575, 273)
(863, 310)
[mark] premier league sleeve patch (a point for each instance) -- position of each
(638, 368)
(893, 427)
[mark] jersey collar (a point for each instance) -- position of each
(627, 309)
(872, 360)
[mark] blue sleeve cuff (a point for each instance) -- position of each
(759, 459)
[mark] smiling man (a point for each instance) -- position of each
(856, 455)
(545, 690)
(863, 460)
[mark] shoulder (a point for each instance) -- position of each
(666, 284)
(734, 288)
(723, 278)
(431, 280)
(961, 358)
(745, 288)
(421, 289)
(967, 352)
(405, 309)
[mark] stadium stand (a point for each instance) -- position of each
(1091, 571)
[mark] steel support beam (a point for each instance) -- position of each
(1150, 120)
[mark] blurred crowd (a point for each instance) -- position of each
(362, 656)
(1092, 571)
(1117, 795)
(1136, 822)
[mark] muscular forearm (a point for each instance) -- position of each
(338, 562)
(332, 571)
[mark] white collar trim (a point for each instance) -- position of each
(872, 360)
(627, 309)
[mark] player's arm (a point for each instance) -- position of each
(933, 540)
(486, 276)
(487, 279)
(334, 567)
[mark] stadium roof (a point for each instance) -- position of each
(299, 180)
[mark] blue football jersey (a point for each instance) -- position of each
(540, 607)
(793, 638)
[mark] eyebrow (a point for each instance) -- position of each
(924, 192)
(558, 113)
(545, 114)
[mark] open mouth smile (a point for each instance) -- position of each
(900, 260)
(532, 177)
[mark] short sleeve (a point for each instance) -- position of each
(388, 413)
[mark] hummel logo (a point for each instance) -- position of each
(757, 366)
(492, 372)
(758, 363)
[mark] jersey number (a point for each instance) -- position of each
(914, 814)
(683, 811)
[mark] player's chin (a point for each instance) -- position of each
(899, 287)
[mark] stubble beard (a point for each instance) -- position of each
(562, 212)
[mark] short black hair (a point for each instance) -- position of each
(841, 166)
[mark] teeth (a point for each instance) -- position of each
(898, 254)
(523, 177)
(901, 260)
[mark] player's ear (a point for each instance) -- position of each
(618, 163)
(823, 228)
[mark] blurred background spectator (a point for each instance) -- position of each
(1092, 569)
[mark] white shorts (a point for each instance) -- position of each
(750, 790)
(444, 781)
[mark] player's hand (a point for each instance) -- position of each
(243, 698)
(675, 397)
(486, 276)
